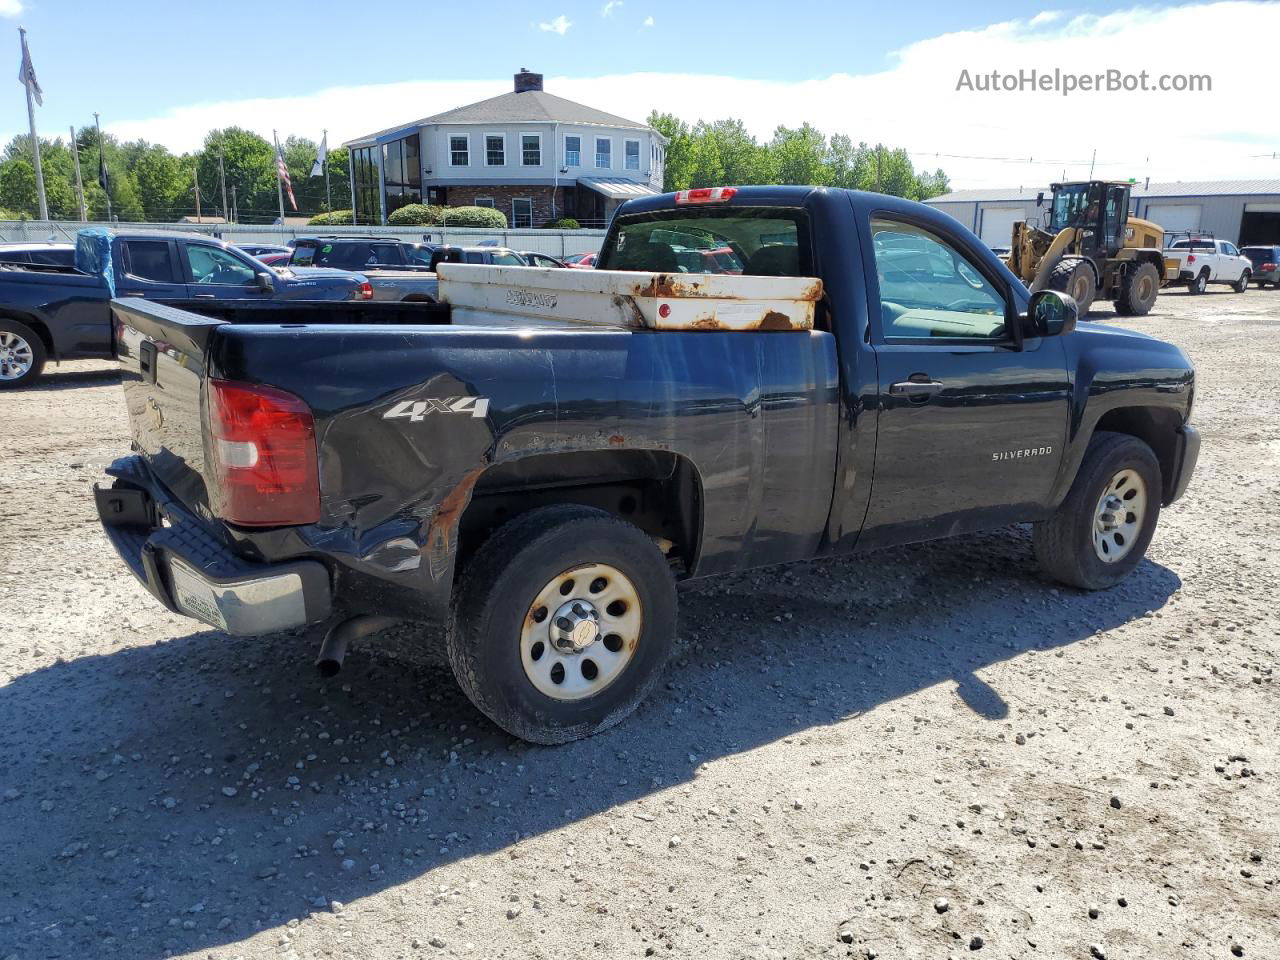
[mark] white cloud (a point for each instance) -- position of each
(10, 8)
(648, 21)
(1043, 17)
(912, 103)
(608, 8)
(560, 25)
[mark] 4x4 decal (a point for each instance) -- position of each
(415, 410)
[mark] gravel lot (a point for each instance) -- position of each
(920, 753)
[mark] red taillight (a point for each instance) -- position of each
(1267, 266)
(706, 195)
(366, 291)
(1191, 258)
(264, 452)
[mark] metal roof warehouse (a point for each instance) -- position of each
(1243, 211)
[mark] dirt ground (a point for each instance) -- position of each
(922, 753)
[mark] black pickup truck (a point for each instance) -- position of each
(64, 313)
(540, 485)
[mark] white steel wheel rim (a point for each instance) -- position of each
(16, 356)
(581, 631)
(1117, 522)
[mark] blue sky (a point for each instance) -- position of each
(169, 71)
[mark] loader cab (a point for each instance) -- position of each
(1099, 209)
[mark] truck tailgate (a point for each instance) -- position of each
(162, 358)
(488, 295)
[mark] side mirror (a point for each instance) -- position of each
(1040, 199)
(1051, 314)
(266, 283)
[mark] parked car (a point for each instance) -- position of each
(535, 259)
(581, 261)
(1205, 260)
(64, 314)
(1266, 264)
(261, 249)
(39, 254)
(275, 259)
(541, 462)
(394, 267)
(719, 260)
(492, 255)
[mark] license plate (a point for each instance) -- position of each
(195, 597)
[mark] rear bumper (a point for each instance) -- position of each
(1185, 456)
(188, 568)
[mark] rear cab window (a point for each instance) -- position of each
(149, 260)
(755, 241)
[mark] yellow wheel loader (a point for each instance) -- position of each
(1090, 248)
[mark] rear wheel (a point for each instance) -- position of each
(1241, 285)
(1102, 529)
(1200, 283)
(1074, 278)
(1138, 291)
(22, 354)
(562, 623)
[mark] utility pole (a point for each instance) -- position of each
(29, 81)
(235, 205)
(275, 139)
(222, 175)
(75, 154)
(195, 172)
(103, 180)
(878, 190)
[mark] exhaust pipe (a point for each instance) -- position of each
(333, 649)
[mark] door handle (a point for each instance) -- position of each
(206, 296)
(915, 388)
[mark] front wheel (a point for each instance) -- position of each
(1241, 285)
(1102, 529)
(1138, 291)
(562, 623)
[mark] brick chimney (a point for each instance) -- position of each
(526, 81)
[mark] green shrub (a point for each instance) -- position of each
(472, 217)
(564, 223)
(330, 219)
(415, 214)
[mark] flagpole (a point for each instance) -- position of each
(328, 200)
(75, 153)
(102, 166)
(222, 175)
(35, 139)
(279, 182)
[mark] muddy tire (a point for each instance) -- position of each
(1076, 279)
(1241, 285)
(22, 355)
(1200, 283)
(561, 623)
(1102, 529)
(1138, 292)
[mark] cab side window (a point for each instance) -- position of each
(149, 260)
(213, 265)
(931, 291)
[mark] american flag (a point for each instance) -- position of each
(282, 172)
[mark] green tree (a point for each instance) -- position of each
(800, 156)
(250, 166)
(678, 166)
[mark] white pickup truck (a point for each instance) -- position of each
(1204, 260)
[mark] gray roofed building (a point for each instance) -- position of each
(530, 154)
(1242, 211)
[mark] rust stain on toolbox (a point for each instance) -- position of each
(484, 295)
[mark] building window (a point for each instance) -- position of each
(521, 212)
(459, 150)
(631, 156)
(531, 149)
(364, 177)
(484, 202)
(573, 151)
(604, 152)
(402, 172)
(495, 150)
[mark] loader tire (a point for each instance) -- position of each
(1138, 291)
(1075, 279)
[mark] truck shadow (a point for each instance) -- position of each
(54, 379)
(181, 796)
